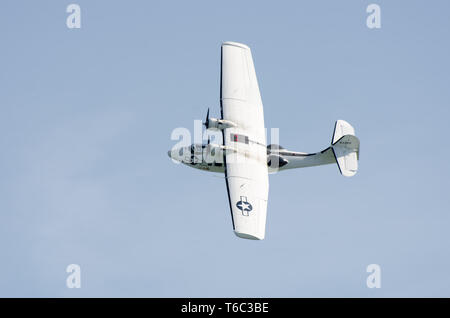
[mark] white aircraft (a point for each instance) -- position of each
(244, 156)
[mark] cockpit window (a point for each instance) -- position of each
(180, 152)
(196, 148)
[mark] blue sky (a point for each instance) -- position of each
(86, 116)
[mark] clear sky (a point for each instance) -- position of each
(85, 122)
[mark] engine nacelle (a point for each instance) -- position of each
(218, 124)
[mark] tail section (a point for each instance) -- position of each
(345, 146)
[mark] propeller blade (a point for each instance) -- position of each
(206, 123)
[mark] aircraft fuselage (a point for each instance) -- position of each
(210, 157)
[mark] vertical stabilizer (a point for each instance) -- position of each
(345, 146)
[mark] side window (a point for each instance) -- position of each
(180, 152)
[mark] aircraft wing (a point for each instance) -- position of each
(245, 154)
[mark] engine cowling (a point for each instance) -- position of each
(218, 124)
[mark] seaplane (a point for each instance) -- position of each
(243, 155)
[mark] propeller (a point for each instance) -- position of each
(206, 123)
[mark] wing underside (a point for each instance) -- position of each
(245, 154)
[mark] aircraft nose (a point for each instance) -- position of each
(169, 153)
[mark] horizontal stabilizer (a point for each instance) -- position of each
(341, 128)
